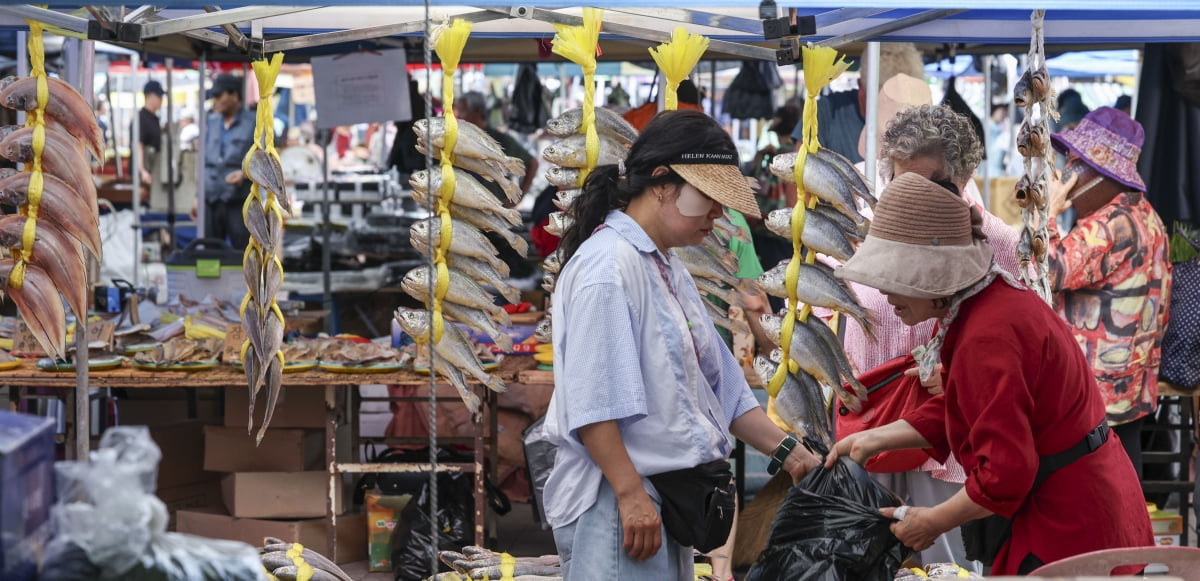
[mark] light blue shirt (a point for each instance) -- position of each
(623, 351)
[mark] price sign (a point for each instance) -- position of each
(100, 334)
(235, 335)
(25, 344)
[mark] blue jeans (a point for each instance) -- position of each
(590, 549)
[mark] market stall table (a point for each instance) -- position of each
(129, 377)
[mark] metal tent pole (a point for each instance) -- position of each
(135, 168)
(872, 128)
(987, 139)
(326, 255)
(170, 149)
(201, 141)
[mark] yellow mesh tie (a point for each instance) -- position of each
(449, 41)
(508, 565)
(37, 120)
(677, 57)
(821, 66)
(578, 44)
(304, 571)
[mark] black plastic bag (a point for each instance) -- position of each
(751, 94)
(829, 529)
(528, 112)
(413, 545)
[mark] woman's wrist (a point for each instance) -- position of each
(781, 454)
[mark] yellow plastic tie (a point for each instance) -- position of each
(821, 66)
(578, 44)
(508, 565)
(677, 57)
(37, 120)
(449, 41)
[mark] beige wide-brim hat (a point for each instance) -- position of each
(899, 93)
(924, 243)
(717, 174)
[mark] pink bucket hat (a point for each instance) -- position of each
(1108, 140)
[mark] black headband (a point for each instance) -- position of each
(707, 158)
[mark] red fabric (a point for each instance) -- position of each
(1018, 387)
(543, 241)
(884, 406)
(640, 117)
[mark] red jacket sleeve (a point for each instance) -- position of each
(995, 404)
(930, 421)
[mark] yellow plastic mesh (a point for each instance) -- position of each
(578, 44)
(677, 57)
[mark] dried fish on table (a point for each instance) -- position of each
(355, 353)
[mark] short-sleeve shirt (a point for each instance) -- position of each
(634, 344)
(149, 130)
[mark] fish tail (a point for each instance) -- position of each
(495, 384)
(503, 341)
(519, 244)
(510, 293)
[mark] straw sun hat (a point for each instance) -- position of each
(718, 175)
(899, 93)
(924, 242)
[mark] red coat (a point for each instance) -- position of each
(1018, 387)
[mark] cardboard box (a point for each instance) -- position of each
(182, 446)
(298, 407)
(283, 450)
(278, 494)
(214, 524)
(383, 513)
(198, 496)
(26, 492)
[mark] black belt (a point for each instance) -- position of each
(1090, 443)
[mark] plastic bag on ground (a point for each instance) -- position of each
(109, 525)
(829, 529)
(413, 544)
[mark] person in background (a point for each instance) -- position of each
(1016, 393)
(471, 107)
(689, 98)
(997, 128)
(842, 116)
(102, 117)
(228, 137)
(1124, 104)
(404, 155)
(150, 131)
(189, 131)
(1111, 273)
(644, 385)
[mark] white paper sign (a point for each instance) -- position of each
(361, 87)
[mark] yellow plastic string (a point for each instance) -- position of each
(578, 45)
(677, 57)
(37, 120)
(821, 66)
(448, 41)
(508, 566)
(304, 571)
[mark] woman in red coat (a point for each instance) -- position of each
(1018, 394)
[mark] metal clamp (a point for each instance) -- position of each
(525, 12)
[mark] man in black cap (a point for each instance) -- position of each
(150, 131)
(229, 135)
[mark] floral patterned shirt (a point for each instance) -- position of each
(1112, 279)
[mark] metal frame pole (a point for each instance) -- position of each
(201, 150)
(135, 168)
(170, 150)
(987, 140)
(872, 128)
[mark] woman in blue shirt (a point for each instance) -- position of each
(643, 383)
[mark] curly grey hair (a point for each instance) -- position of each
(932, 131)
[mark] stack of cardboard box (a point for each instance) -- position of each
(278, 488)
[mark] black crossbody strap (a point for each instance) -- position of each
(1090, 443)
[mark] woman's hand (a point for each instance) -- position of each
(1059, 192)
(919, 528)
(859, 446)
(934, 385)
(799, 462)
(640, 523)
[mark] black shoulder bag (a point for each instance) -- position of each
(698, 504)
(983, 537)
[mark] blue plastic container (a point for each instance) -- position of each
(26, 492)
